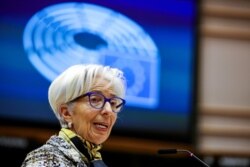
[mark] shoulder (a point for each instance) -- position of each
(50, 154)
(46, 156)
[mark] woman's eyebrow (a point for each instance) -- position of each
(96, 91)
(101, 92)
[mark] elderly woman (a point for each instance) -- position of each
(86, 100)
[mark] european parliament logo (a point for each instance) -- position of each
(65, 34)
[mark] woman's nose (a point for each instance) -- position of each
(107, 108)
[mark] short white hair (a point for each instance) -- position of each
(78, 80)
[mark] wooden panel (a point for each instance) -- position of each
(225, 32)
(224, 126)
(141, 146)
(224, 146)
(114, 143)
(38, 134)
(240, 112)
(225, 10)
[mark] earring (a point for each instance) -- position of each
(69, 124)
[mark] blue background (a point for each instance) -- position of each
(172, 26)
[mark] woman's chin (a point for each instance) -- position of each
(99, 138)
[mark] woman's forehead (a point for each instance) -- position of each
(103, 85)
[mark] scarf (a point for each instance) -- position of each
(89, 151)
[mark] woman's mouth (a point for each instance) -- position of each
(101, 126)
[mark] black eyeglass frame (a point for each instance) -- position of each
(105, 100)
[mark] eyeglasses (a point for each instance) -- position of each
(98, 100)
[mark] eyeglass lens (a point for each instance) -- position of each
(98, 101)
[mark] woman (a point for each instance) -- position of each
(86, 100)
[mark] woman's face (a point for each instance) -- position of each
(93, 125)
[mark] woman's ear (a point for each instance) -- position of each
(65, 112)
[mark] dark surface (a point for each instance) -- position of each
(14, 150)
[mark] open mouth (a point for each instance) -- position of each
(103, 126)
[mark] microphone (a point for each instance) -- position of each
(175, 151)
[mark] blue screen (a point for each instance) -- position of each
(153, 42)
